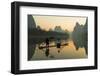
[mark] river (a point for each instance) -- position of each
(68, 50)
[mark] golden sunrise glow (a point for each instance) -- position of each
(65, 22)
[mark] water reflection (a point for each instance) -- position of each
(31, 50)
(79, 42)
(57, 49)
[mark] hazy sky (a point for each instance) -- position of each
(65, 22)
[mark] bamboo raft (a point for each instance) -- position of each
(41, 47)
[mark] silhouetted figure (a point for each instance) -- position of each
(47, 52)
(58, 42)
(47, 42)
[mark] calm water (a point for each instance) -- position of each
(68, 50)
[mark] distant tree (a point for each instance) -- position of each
(58, 29)
(38, 27)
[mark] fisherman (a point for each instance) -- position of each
(47, 42)
(58, 43)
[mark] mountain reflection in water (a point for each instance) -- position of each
(57, 49)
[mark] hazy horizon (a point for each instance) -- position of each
(65, 22)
